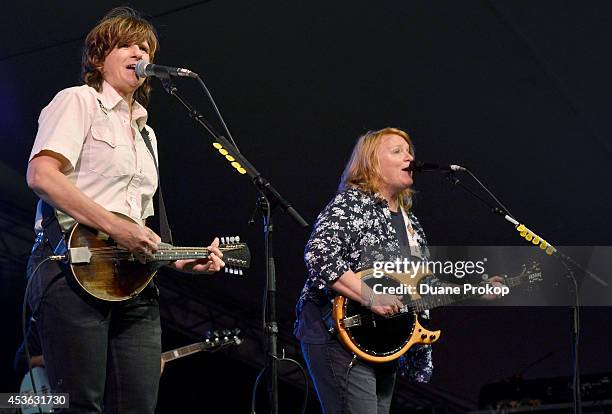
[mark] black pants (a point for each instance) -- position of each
(369, 387)
(104, 354)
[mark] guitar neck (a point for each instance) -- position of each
(436, 301)
(180, 253)
(182, 351)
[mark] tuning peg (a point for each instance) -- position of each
(237, 239)
(222, 240)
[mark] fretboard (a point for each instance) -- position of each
(182, 351)
(180, 253)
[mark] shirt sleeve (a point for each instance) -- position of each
(329, 244)
(64, 124)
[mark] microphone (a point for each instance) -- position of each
(144, 69)
(420, 166)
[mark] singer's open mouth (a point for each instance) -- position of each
(132, 66)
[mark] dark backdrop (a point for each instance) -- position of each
(515, 90)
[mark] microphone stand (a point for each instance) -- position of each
(269, 198)
(565, 260)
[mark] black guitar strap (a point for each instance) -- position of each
(52, 229)
(164, 227)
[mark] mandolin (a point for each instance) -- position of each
(110, 272)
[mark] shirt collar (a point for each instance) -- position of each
(110, 99)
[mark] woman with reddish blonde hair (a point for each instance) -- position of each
(89, 161)
(363, 169)
(369, 220)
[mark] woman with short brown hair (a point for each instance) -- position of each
(89, 161)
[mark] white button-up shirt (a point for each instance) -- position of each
(108, 158)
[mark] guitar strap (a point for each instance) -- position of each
(52, 229)
(164, 227)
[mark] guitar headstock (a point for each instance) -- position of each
(236, 255)
(215, 340)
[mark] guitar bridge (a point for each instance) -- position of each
(80, 255)
(352, 321)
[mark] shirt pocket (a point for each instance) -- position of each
(108, 155)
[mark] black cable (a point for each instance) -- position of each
(346, 382)
(255, 385)
(214, 105)
(264, 307)
(304, 375)
(489, 192)
(267, 217)
(575, 343)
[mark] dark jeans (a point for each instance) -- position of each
(104, 354)
(369, 388)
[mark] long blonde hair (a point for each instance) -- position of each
(363, 169)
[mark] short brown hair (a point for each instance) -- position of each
(363, 169)
(121, 25)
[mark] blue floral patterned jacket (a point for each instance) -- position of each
(353, 232)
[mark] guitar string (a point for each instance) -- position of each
(124, 254)
(113, 249)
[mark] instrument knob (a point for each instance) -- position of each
(423, 336)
